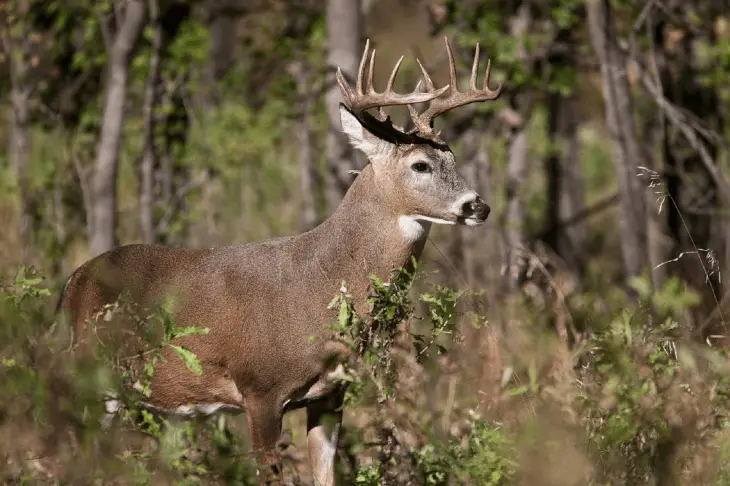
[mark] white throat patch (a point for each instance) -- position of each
(412, 228)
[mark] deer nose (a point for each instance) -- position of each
(476, 208)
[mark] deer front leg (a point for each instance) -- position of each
(264, 424)
(323, 430)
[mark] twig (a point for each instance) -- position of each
(678, 20)
(641, 19)
(657, 181)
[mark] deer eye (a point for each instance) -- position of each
(421, 167)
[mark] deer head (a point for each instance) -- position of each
(415, 169)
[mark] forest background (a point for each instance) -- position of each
(585, 342)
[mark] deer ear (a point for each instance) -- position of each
(359, 136)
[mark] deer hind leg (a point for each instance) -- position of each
(264, 423)
(323, 431)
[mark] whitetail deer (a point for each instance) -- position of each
(263, 301)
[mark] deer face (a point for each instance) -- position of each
(419, 180)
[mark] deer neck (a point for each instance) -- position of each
(366, 236)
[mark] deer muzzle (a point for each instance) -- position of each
(474, 211)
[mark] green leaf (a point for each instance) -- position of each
(189, 358)
(344, 314)
(189, 331)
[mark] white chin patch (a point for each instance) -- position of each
(473, 222)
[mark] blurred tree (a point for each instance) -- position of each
(308, 176)
(689, 78)
(477, 171)
(121, 34)
(624, 144)
(344, 47)
(521, 102)
(149, 110)
(17, 38)
(565, 188)
(221, 19)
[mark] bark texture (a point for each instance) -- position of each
(514, 215)
(106, 165)
(149, 152)
(308, 173)
(17, 52)
(624, 146)
(566, 191)
(344, 33)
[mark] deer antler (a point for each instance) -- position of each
(362, 99)
(455, 98)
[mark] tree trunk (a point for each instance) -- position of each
(344, 32)
(476, 241)
(104, 179)
(624, 146)
(149, 151)
(19, 151)
(655, 126)
(20, 90)
(221, 20)
(566, 191)
(308, 173)
(59, 222)
(514, 215)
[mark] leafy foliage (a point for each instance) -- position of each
(47, 396)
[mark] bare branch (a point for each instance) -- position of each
(174, 205)
(106, 33)
(677, 117)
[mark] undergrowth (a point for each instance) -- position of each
(639, 403)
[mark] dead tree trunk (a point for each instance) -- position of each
(149, 151)
(344, 31)
(624, 145)
(104, 179)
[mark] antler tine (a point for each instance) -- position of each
(455, 98)
(426, 77)
(361, 68)
(364, 99)
(344, 86)
(475, 69)
(494, 93)
(391, 79)
(369, 85)
(452, 65)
